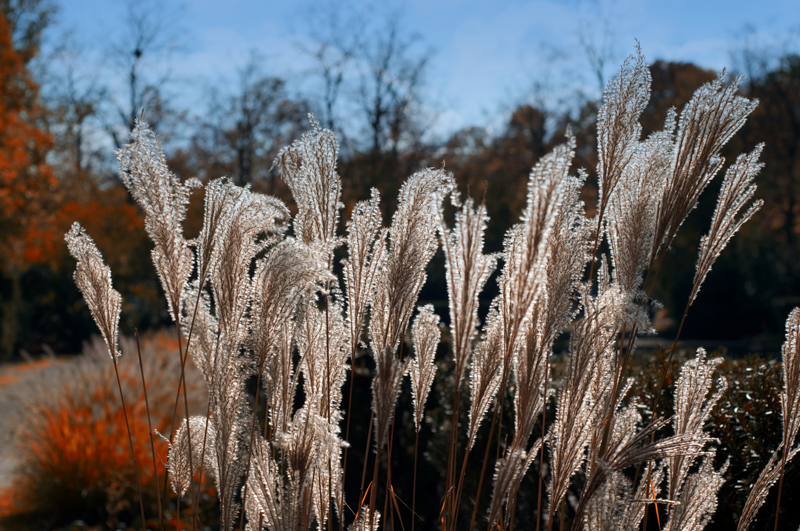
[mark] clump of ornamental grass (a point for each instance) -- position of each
(256, 296)
(73, 444)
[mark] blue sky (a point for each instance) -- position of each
(486, 57)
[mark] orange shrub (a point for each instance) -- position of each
(74, 449)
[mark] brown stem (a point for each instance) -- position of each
(130, 440)
(541, 455)
(414, 484)
(188, 430)
(252, 437)
(347, 432)
(460, 485)
(780, 484)
(451, 456)
(366, 457)
(150, 428)
(483, 470)
(389, 473)
(373, 493)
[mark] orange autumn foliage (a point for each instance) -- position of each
(113, 222)
(27, 183)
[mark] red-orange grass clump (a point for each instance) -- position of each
(76, 458)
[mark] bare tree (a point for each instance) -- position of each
(597, 39)
(244, 129)
(74, 94)
(336, 38)
(149, 36)
(390, 91)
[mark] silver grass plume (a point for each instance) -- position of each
(269, 499)
(425, 332)
(646, 492)
(235, 216)
(618, 128)
(243, 224)
(693, 406)
(566, 255)
(310, 340)
(309, 168)
(737, 190)
(508, 474)
(790, 416)
(525, 246)
(587, 384)
(366, 522)
(163, 198)
(467, 270)
(328, 474)
(366, 243)
(247, 226)
(790, 398)
(563, 258)
(485, 373)
(203, 348)
(310, 447)
(616, 507)
(631, 215)
(229, 416)
(323, 374)
(279, 377)
(283, 279)
(758, 493)
(288, 273)
(412, 243)
(298, 444)
(707, 122)
(629, 446)
(608, 508)
(178, 468)
(219, 194)
(93, 278)
(698, 498)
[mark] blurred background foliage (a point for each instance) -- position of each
(60, 123)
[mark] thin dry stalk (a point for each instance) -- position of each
(150, 429)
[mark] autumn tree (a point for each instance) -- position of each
(27, 184)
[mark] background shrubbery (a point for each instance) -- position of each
(70, 127)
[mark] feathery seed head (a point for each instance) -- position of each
(93, 278)
(426, 334)
(309, 168)
(163, 198)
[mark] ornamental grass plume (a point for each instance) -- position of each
(790, 417)
(260, 299)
